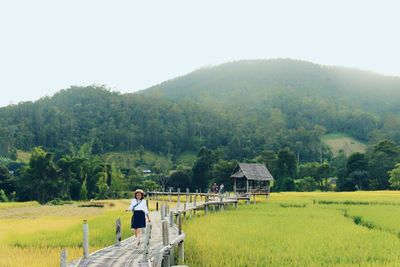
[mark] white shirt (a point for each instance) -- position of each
(141, 206)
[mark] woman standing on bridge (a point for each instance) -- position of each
(139, 208)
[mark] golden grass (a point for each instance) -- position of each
(34, 235)
(34, 256)
(8, 205)
(290, 229)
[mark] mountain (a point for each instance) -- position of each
(253, 81)
(241, 108)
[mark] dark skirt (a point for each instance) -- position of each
(138, 219)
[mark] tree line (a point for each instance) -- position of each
(81, 175)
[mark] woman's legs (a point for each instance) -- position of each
(138, 233)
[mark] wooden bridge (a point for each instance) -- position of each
(162, 238)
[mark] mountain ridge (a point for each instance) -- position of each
(242, 107)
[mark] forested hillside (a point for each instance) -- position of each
(89, 142)
(243, 107)
(297, 93)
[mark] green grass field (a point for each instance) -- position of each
(340, 141)
(23, 156)
(301, 229)
(290, 229)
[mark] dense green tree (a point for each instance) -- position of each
(83, 194)
(286, 163)
(382, 158)
(39, 180)
(270, 159)
(307, 184)
(222, 170)
(102, 187)
(395, 177)
(202, 168)
(3, 196)
(7, 182)
(180, 179)
(360, 179)
(357, 162)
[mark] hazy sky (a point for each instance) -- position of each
(129, 45)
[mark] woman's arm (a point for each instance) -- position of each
(131, 206)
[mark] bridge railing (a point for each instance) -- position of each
(171, 220)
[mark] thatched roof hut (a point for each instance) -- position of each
(255, 172)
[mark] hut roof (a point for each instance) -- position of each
(252, 171)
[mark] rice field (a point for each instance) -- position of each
(300, 229)
(290, 229)
(33, 235)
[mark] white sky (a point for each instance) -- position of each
(129, 45)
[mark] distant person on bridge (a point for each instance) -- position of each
(221, 188)
(139, 208)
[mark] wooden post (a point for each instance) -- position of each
(179, 223)
(171, 218)
(172, 256)
(118, 232)
(147, 241)
(162, 210)
(85, 244)
(247, 186)
(249, 195)
(157, 259)
(179, 199)
(157, 206)
(195, 197)
(206, 205)
(165, 232)
(165, 236)
(63, 258)
(181, 253)
(234, 185)
(170, 195)
(187, 195)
